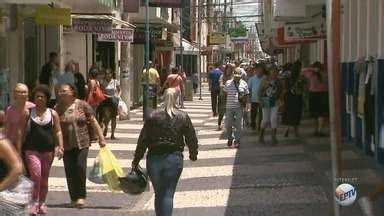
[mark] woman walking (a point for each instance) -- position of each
(318, 96)
(175, 80)
(269, 94)
(76, 119)
(227, 75)
(163, 135)
(43, 131)
(293, 99)
(11, 166)
(15, 116)
(110, 106)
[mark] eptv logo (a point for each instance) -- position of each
(345, 194)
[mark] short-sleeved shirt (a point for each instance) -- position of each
(153, 76)
(214, 76)
(253, 85)
(233, 93)
(74, 124)
(67, 77)
(13, 119)
(110, 88)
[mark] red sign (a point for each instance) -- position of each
(124, 35)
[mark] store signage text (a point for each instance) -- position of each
(139, 35)
(95, 26)
(46, 15)
(216, 38)
(123, 35)
(304, 31)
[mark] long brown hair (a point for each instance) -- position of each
(228, 72)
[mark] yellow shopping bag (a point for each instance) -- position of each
(111, 169)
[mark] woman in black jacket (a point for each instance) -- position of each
(163, 134)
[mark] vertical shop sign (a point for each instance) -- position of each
(165, 3)
(131, 6)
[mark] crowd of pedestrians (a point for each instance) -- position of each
(56, 121)
(263, 95)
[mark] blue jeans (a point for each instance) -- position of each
(234, 118)
(164, 170)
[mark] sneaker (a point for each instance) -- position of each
(366, 206)
(236, 144)
(80, 203)
(43, 209)
(229, 143)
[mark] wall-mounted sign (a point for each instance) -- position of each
(123, 35)
(96, 26)
(216, 38)
(46, 15)
(1, 15)
(304, 31)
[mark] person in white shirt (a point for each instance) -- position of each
(237, 93)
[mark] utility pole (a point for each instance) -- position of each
(146, 61)
(199, 8)
(334, 79)
(125, 77)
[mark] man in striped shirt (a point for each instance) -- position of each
(237, 93)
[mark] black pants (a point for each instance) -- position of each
(214, 100)
(255, 111)
(75, 165)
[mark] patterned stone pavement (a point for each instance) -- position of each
(290, 179)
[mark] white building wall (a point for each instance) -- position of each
(345, 36)
(74, 48)
(361, 29)
(381, 29)
(352, 7)
(372, 27)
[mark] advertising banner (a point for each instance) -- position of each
(95, 26)
(46, 15)
(304, 31)
(216, 38)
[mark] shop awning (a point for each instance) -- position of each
(115, 20)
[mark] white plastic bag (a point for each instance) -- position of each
(20, 193)
(96, 173)
(122, 110)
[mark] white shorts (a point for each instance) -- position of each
(270, 117)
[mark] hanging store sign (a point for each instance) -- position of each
(123, 35)
(216, 38)
(154, 35)
(95, 26)
(304, 31)
(46, 15)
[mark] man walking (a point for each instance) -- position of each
(153, 81)
(237, 93)
(253, 85)
(49, 75)
(214, 87)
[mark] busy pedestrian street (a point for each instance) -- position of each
(288, 179)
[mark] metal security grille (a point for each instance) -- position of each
(8, 209)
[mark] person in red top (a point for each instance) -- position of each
(175, 80)
(318, 95)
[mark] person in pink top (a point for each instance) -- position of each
(15, 113)
(318, 95)
(175, 80)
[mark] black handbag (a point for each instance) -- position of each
(136, 182)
